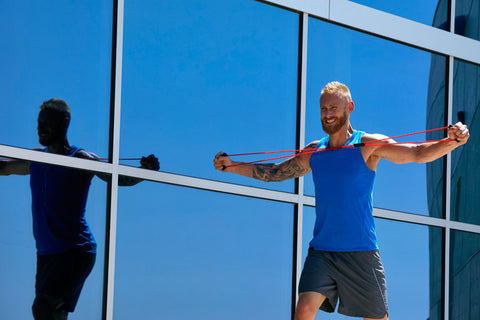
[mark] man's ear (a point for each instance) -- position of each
(351, 106)
(66, 123)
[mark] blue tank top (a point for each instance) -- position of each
(343, 199)
(59, 196)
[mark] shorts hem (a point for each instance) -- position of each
(360, 315)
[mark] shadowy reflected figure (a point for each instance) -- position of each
(66, 248)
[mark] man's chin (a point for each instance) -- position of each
(43, 142)
(331, 130)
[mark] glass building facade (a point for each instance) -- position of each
(187, 79)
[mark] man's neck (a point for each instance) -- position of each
(60, 147)
(340, 137)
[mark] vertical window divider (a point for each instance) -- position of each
(114, 152)
(299, 187)
(448, 175)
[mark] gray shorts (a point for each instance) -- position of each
(357, 278)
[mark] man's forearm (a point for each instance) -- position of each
(265, 172)
(270, 172)
(428, 152)
(20, 167)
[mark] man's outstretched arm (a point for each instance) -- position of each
(150, 162)
(294, 167)
(19, 167)
(425, 152)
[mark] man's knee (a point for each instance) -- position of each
(47, 308)
(305, 311)
(308, 305)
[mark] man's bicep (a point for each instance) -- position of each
(294, 168)
(397, 153)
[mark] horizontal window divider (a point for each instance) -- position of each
(413, 218)
(409, 217)
(55, 159)
(210, 185)
(462, 226)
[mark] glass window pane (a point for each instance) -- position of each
(410, 254)
(17, 246)
(56, 49)
(230, 252)
(392, 86)
(465, 171)
(467, 18)
(198, 79)
(431, 12)
(464, 275)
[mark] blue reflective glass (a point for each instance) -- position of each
(393, 86)
(429, 12)
(184, 253)
(465, 171)
(467, 18)
(207, 76)
(464, 275)
(56, 49)
(17, 246)
(410, 254)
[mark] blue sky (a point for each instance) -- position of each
(198, 78)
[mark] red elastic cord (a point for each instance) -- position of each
(314, 150)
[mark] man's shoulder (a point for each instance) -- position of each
(312, 144)
(81, 153)
(366, 137)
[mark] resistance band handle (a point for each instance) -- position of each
(224, 155)
(451, 126)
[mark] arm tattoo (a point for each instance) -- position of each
(279, 172)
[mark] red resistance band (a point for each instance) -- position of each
(314, 150)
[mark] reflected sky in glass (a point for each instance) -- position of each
(229, 256)
(389, 83)
(56, 50)
(198, 79)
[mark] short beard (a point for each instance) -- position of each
(340, 123)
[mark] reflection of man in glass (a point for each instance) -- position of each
(343, 261)
(66, 248)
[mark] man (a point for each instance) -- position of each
(343, 260)
(66, 248)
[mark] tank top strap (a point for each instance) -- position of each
(73, 150)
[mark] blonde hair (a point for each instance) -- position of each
(337, 88)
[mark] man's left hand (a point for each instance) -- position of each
(150, 162)
(459, 132)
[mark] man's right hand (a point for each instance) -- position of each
(222, 161)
